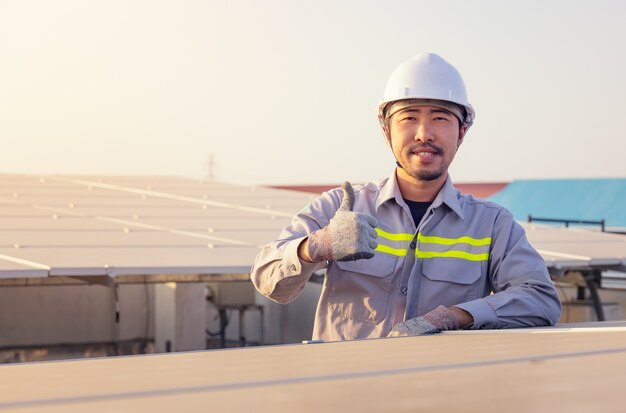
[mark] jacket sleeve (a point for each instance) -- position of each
(278, 273)
(523, 293)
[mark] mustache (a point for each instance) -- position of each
(415, 148)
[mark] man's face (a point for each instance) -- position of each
(424, 140)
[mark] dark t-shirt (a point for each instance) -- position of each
(418, 209)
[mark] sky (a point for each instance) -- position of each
(285, 91)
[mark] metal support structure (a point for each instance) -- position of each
(110, 282)
(601, 222)
(180, 315)
(107, 280)
(241, 309)
(593, 279)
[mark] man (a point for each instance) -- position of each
(410, 255)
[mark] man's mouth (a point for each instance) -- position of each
(426, 152)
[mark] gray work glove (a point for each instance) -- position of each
(436, 321)
(348, 236)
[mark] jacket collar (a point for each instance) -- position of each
(448, 195)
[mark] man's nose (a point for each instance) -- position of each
(424, 132)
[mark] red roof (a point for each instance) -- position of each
(481, 190)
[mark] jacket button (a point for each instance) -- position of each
(482, 327)
(292, 267)
(404, 290)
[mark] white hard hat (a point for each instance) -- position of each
(426, 76)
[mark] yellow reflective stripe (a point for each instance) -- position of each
(394, 237)
(476, 242)
(453, 254)
(400, 252)
(433, 240)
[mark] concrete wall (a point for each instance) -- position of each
(82, 314)
(614, 301)
(77, 314)
(50, 315)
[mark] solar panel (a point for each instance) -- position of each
(577, 248)
(532, 369)
(124, 225)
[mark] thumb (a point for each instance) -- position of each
(347, 202)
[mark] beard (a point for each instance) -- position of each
(422, 175)
(416, 172)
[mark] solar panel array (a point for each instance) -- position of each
(125, 225)
(577, 249)
(139, 225)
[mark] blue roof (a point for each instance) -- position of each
(576, 199)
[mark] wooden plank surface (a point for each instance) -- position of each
(557, 370)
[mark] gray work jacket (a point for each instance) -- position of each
(465, 251)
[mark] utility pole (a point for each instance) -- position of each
(210, 167)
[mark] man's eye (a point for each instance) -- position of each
(441, 118)
(408, 118)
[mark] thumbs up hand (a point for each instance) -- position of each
(348, 236)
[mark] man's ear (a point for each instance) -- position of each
(462, 131)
